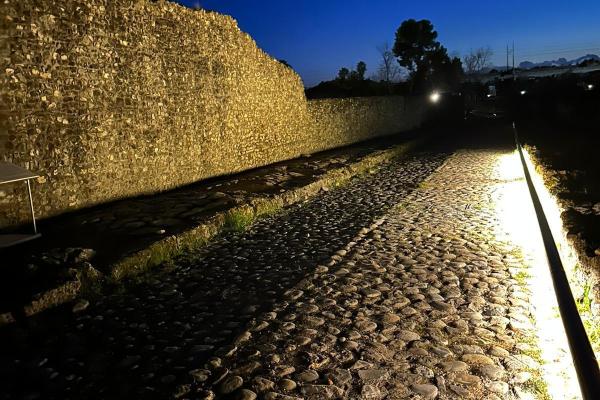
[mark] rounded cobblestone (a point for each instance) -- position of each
(345, 296)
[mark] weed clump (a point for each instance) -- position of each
(239, 219)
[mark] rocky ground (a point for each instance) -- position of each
(49, 270)
(395, 286)
(144, 343)
(424, 303)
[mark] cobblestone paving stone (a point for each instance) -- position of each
(119, 228)
(421, 304)
(144, 343)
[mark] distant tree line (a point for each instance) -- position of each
(416, 63)
(354, 83)
(356, 75)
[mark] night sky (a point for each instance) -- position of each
(317, 37)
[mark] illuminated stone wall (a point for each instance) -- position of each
(115, 98)
(337, 122)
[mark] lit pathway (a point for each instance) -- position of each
(429, 302)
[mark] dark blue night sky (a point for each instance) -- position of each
(317, 37)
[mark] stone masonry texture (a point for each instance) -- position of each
(111, 99)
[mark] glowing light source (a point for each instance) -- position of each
(523, 92)
(590, 86)
(519, 227)
(434, 97)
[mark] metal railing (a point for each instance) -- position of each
(584, 359)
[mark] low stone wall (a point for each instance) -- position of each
(115, 98)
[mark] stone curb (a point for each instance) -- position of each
(200, 235)
(174, 245)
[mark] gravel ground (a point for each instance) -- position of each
(144, 343)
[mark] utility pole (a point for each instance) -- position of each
(507, 58)
(513, 56)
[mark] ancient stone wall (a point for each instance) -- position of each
(115, 98)
(338, 122)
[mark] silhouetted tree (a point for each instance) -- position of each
(477, 59)
(427, 60)
(414, 40)
(343, 73)
(447, 73)
(361, 69)
(388, 70)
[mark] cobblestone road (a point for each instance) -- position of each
(394, 287)
(425, 303)
(144, 343)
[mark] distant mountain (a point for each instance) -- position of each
(561, 62)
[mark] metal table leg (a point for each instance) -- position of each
(31, 206)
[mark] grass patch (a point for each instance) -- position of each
(239, 219)
(593, 331)
(537, 386)
(521, 277)
(399, 207)
(424, 185)
(584, 306)
(156, 254)
(268, 207)
(584, 303)
(534, 350)
(339, 182)
(160, 253)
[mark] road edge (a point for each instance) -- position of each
(238, 218)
